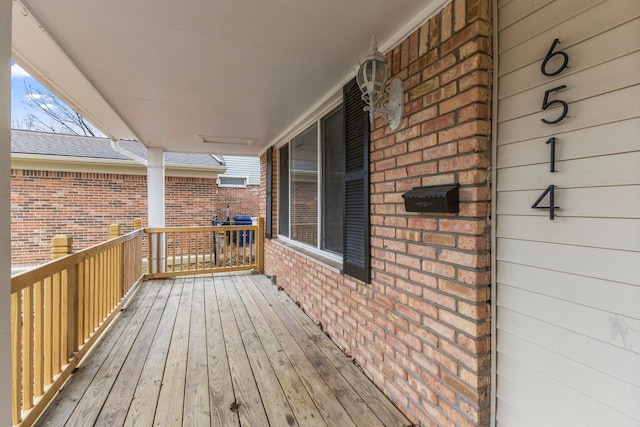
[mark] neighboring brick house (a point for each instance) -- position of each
(63, 184)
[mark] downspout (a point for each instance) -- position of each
(115, 144)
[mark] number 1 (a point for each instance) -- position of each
(552, 153)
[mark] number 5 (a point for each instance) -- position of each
(546, 104)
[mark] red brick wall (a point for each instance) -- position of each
(197, 200)
(45, 203)
(421, 329)
(304, 212)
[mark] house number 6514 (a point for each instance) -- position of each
(547, 69)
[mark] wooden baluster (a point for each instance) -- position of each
(38, 357)
(27, 348)
(16, 355)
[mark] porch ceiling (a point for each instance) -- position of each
(167, 72)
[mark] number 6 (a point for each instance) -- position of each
(550, 55)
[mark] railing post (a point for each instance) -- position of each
(137, 225)
(62, 245)
(157, 255)
(114, 231)
(260, 246)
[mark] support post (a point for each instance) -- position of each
(155, 202)
(137, 223)
(5, 214)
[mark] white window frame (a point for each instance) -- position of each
(317, 119)
(220, 184)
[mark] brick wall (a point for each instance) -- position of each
(421, 329)
(197, 200)
(304, 212)
(45, 203)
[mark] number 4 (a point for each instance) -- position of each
(552, 207)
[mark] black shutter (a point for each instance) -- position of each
(357, 250)
(283, 190)
(268, 215)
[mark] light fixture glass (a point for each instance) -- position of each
(372, 79)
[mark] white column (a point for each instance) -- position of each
(5, 212)
(155, 201)
(155, 186)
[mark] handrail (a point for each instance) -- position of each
(58, 310)
(176, 251)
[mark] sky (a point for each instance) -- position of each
(20, 80)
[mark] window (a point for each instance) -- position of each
(311, 177)
(303, 191)
(323, 176)
(333, 182)
(232, 181)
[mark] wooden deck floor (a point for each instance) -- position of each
(219, 350)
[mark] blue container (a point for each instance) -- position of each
(244, 236)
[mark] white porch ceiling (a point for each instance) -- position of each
(176, 74)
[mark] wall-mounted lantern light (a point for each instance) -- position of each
(372, 79)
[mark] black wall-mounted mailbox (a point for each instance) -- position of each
(433, 198)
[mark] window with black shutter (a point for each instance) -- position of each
(357, 250)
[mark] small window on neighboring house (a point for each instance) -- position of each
(232, 181)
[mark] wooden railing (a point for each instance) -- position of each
(59, 310)
(180, 251)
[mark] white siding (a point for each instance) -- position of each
(568, 290)
(243, 166)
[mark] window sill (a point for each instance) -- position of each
(311, 255)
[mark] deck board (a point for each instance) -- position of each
(362, 386)
(247, 396)
(220, 383)
(196, 396)
(186, 349)
(171, 400)
(117, 403)
(275, 403)
(306, 412)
